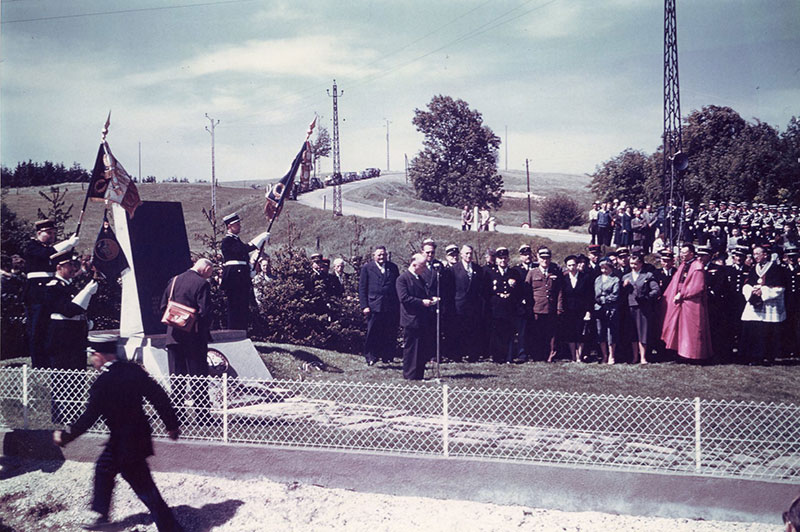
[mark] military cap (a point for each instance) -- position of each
(723, 203)
(41, 225)
(429, 241)
(62, 256)
(501, 252)
(102, 343)
(231, 218)
(702, 204)
(704, 250)
(795, 207)
(666, 254)
(594, 249)
(741, 251)
(524, 249)
(713, 202)
(622, 252)
(315, 257)
(792, 252)
(452, 249)
(543, 252)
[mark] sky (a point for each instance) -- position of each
(567, 84)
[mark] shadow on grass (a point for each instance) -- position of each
(469, 376)
(204, 519)
(309, 360)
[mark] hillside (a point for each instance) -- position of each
(299, 225)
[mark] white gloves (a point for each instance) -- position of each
(85, 295)
(69, 243)
(257, 241)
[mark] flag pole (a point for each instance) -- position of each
(285, 189)
(89, 188)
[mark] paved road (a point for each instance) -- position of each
(315, 199)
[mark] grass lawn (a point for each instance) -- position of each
(667, 380)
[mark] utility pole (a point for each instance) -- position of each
(213, 174)
(528, 177)
(675, 161)
(387, 144)
(140, 161)
(406, 156)
(337, 165)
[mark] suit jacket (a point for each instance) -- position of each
(411, 291)
(468, 296)
(376, 290)
(117, 396)
(578, 299)
(193, 291)
(544, 290)
(643, 292)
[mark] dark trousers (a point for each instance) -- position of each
(468, 336)
(239, 307)
(604, 235)
(137, 474)
(190, 360)
(380, 341)
(542, 337)
(418, 347)
(501, 343)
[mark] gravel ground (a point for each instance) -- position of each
(55, 497)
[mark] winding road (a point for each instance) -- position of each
(324, 197)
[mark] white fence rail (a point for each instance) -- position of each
(691, 436)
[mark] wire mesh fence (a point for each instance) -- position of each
(691, 436)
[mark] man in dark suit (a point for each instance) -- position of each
(417, 318)
(378, 299)
(236, 269)
(117, 396)
(188, 348)
(468, 303)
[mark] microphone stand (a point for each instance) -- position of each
(438, 314)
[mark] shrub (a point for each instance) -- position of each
(560, 212)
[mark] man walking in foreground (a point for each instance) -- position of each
(117, 396)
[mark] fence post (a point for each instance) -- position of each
(225, 407)
(385, 210)
(25, 397)
(445, 420)
(697, 449)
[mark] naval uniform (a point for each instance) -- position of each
(39, 272)
(236, 280)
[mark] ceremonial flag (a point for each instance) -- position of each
(108, 257)
(277, 194)
(111, 182)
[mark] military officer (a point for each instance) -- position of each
(236, 271)
(503, 290)
(39, 271)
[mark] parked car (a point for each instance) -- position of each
(373, 172)
(350, 176)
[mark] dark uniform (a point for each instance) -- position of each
(721, 327)
(236, 281)
(736, 277)
(503, 293)
(117, 396)
(39, 271)
(65, 341)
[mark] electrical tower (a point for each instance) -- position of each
(337, 165)
(675, 161)
(213, 175)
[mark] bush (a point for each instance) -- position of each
(560, 212)
(296, 309)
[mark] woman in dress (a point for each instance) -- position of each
(606, 309)
(578, 298)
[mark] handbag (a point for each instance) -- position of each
(178, 316)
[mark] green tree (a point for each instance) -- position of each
(623, 177)
(320, 146)
(57, 209)
(458, 165)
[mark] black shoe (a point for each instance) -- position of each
(101, 523)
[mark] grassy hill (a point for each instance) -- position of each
(298, 225)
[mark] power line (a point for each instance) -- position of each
(124, 11)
